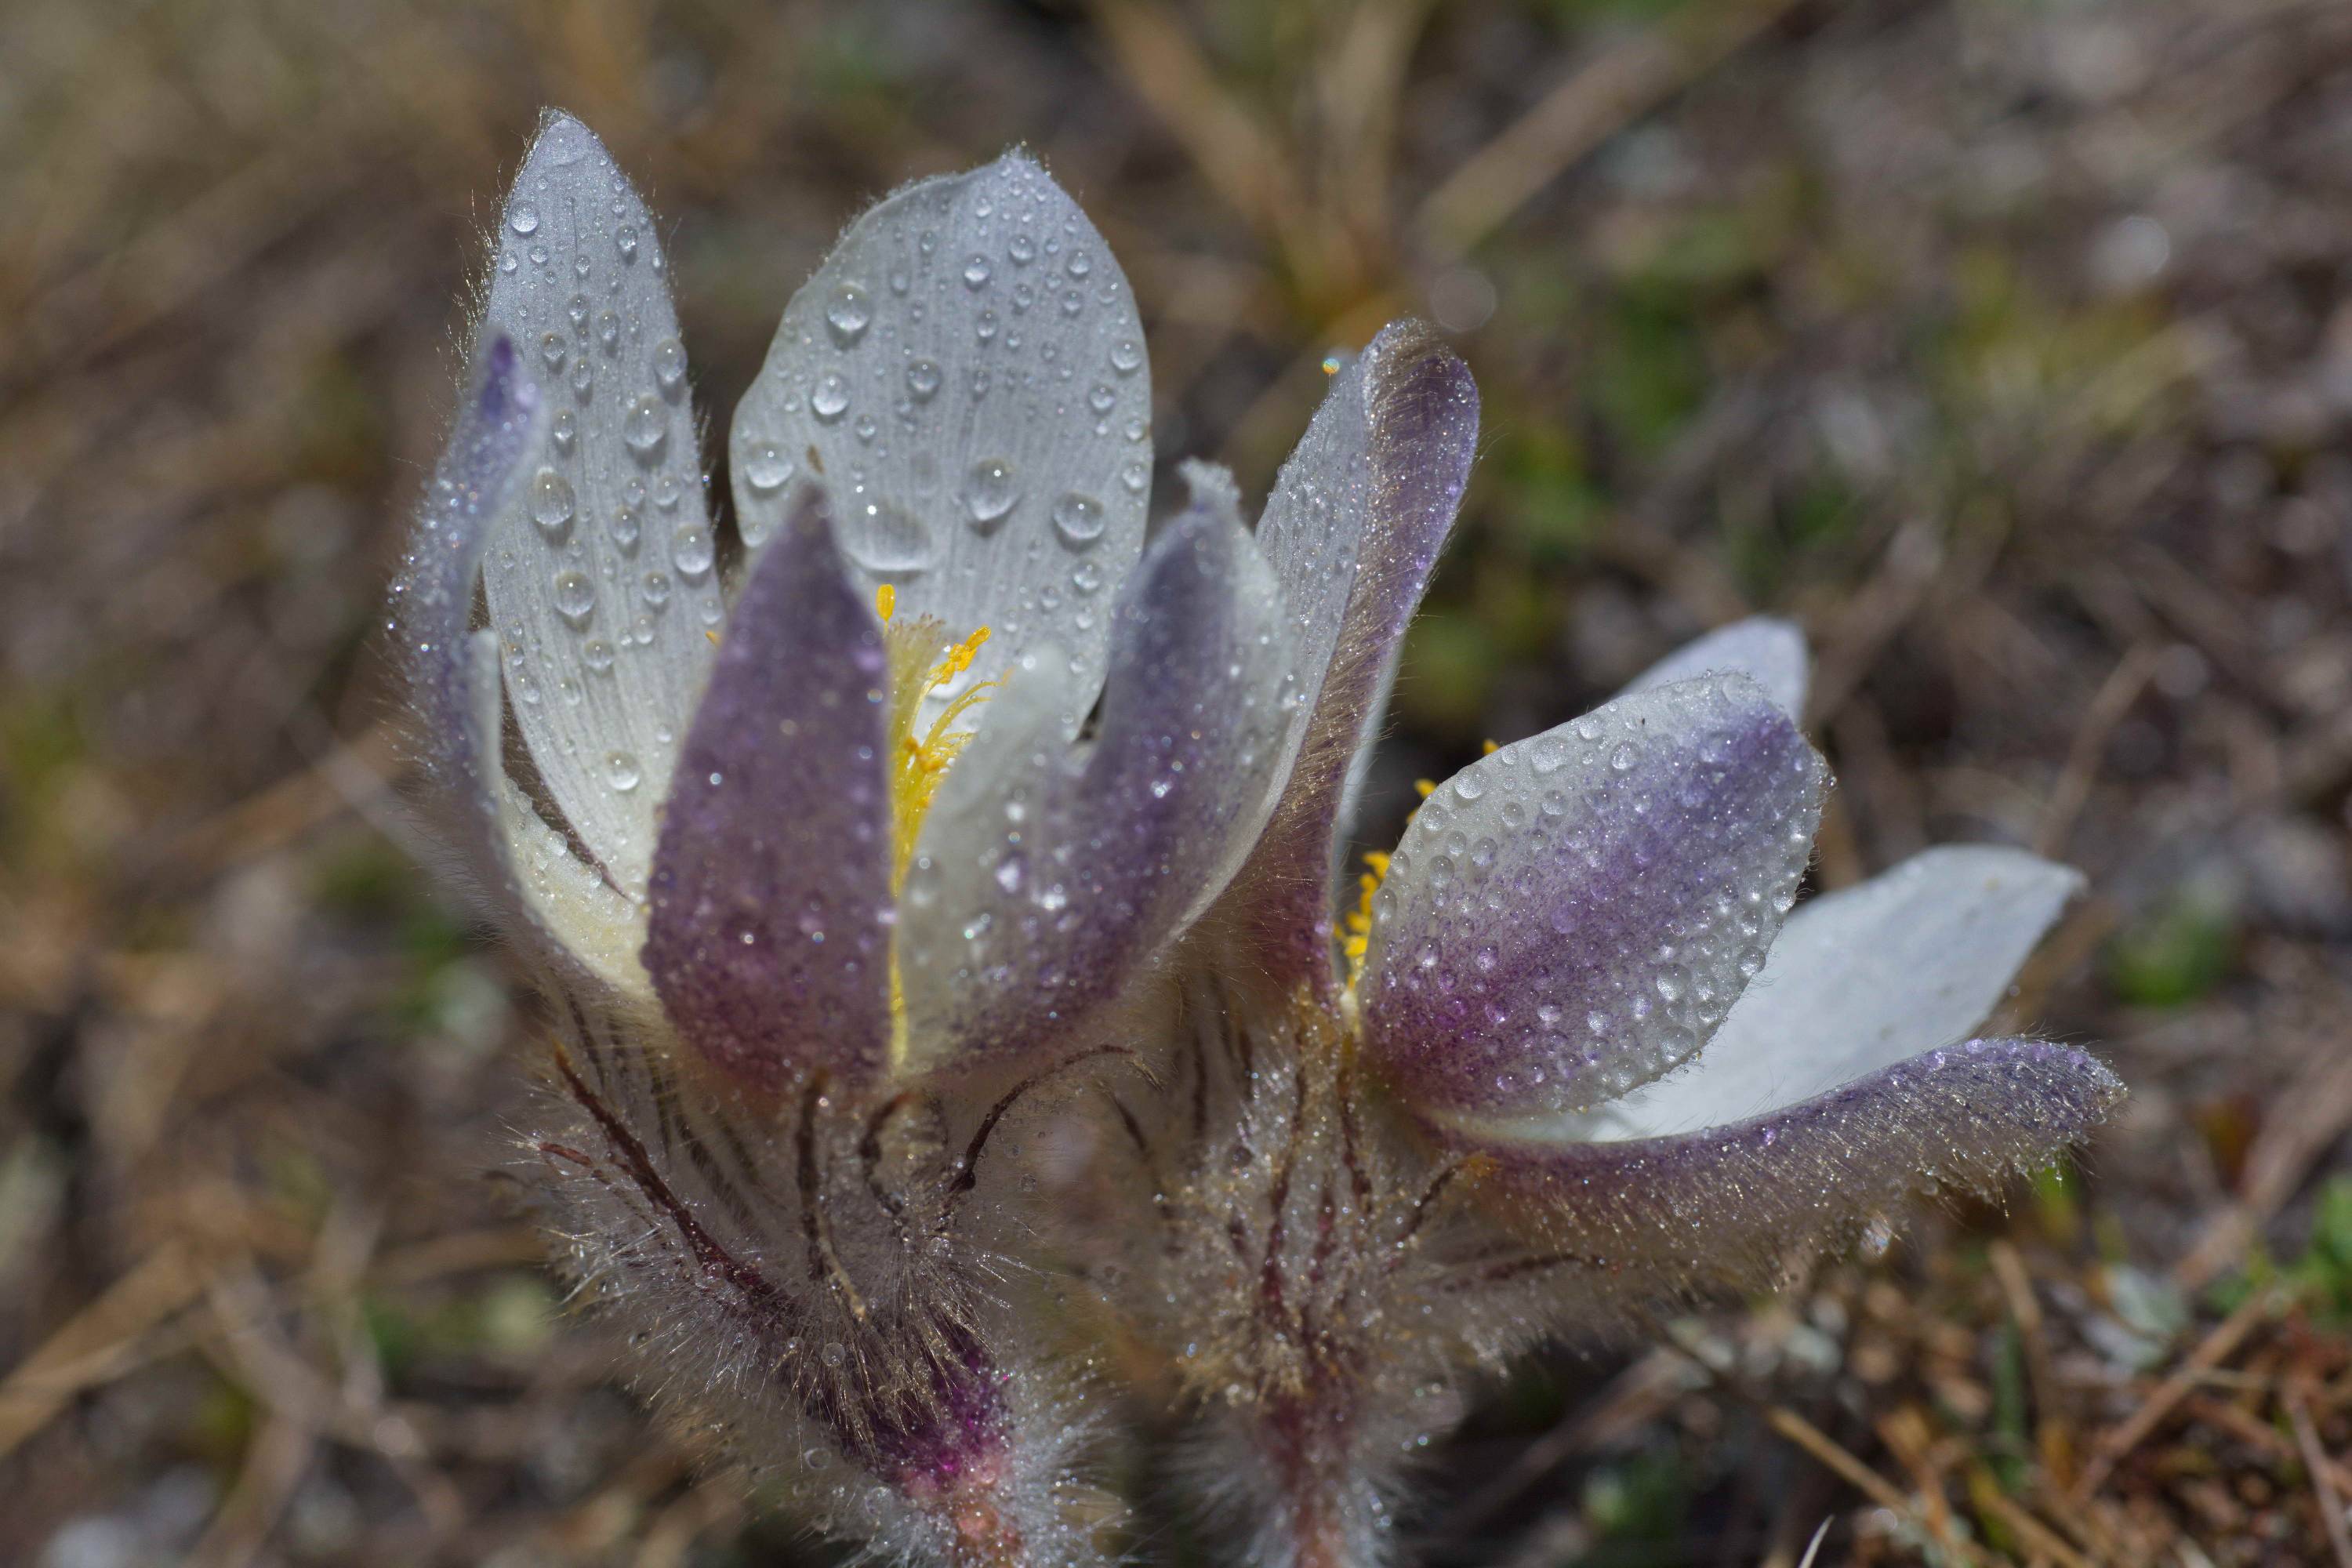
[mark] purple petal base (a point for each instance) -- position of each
(769, 941)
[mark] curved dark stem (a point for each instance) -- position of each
(969, 1177)
(869, 1157)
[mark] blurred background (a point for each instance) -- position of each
(2005, 343)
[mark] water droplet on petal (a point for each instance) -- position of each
(988, 492)
(829, 399)
(1127, 357)
(886, 539)
(575, 596)
(669, 363)
(922, 380)
(551, 502)
(644, 426)
(523, 219)
(765, 468)
(1079, 518)
(625, 240)
(848, 314)
(690, 553)
(621, 771)
(975, 272)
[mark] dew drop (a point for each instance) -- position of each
(552, 350)
(657, 589)
(889, 540)
(829, 400)
(597, 655)
(644, 426)
(551, 502)
(1102, 399)
(765, 468)
(628, 527)
(575, 596)
(848, 314)
(989, 493)
(523, 219)
(608, 330)
(565, 431)
(690, 553)
(621, 771)
(922, 380)
(1136, 476)
(625, 240)
(975, 272)
(1079, 518)
(669, 363)
(1127, 357)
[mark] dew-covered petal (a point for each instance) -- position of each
(559, 909)
(1576, 913)
(769, 940)
(1738, 1206)
(1045, 876)
(1767, 650)
(601, 571)
(1860, 979)
(966, 373)
(1353, 531)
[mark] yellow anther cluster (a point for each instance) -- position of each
(922, 662)
(1358, 920)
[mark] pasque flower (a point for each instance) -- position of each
(957, 1004)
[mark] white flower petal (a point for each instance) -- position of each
(1767, 650)
(1576, 913)
(1048, 876)
(1860, 979)
(966, 375)
(601, 576)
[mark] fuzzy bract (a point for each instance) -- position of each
(959, 1022)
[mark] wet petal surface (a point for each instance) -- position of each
(602, 569)
(966, 375)
(1767, 650)
(769, 941)
(1860, 979)
(1353, 531)
(1736, 1207)
(1575, 914)
(1045, 877)
(561, 905)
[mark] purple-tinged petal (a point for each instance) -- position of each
(1738, 1206)
(1575, 914)
(1859, 980)
(967, 370)
(1045, 877)
(602, 580)
(1353, 531)
(770, 937)
(554, 905)
(1767, 650)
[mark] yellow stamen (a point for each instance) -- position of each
(885, 600)
(1487, 748)
(1426, 786)
(1358, 921)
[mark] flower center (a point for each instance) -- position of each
(924, 662)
